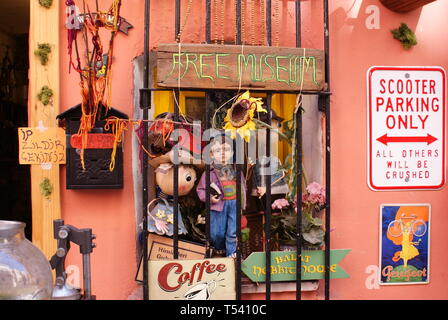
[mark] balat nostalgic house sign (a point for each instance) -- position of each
(283, 265)
(406, 128)
(233, 67)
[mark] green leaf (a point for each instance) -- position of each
(245, 234)
(317, 222)
(315, 236)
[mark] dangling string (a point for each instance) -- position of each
(294, 155)
(117, 127)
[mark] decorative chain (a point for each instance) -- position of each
(263, 23)
(187, 14)
(222, 20)
(252, 22)
(277, 22)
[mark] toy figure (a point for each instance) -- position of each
(223, 195)
(160, 218)
(269, 170)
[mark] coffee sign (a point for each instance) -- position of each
(209, 279)
(162, 248)
(234, 67)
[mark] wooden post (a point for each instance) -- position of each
(44, 28)
(403, 6)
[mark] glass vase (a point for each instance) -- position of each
(25, 273)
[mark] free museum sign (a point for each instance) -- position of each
(236, 67)
(406, 128)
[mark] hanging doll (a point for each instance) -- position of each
(161, 216)
(223, 195)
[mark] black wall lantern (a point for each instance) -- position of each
(97, 155)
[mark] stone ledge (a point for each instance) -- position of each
(307, 286)
(279, 287)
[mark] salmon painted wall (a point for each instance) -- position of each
(355, 208)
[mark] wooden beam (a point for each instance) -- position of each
(44, 28)
(403, 6)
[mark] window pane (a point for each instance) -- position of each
(194, 107)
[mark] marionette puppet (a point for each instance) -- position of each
(164, 152)
(161, 216)
(223, 197)
(269, 170)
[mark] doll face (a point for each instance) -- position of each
(221, 153)
(187, 179)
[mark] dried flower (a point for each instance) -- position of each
(45, 95)
(43, 51)
(46, 3)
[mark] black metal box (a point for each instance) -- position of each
(96, 174)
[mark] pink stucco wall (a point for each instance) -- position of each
(355, 208)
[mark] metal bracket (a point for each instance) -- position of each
(145, 98)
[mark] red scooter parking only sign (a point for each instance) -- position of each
(406, 128)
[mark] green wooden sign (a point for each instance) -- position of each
(283, 265)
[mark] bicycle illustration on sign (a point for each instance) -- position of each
(404, 255)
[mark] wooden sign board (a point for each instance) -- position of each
(233, 67)
(38, 146)
(161, 248)
(94, 141)
(209, 279)
(283, 265)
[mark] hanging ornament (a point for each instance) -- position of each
(96, 75)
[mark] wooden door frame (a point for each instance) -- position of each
(44, 28)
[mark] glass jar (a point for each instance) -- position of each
(25, 273)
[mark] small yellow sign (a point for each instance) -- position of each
(42, 146)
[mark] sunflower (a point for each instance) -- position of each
(240, 116)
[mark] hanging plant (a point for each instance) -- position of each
(46, 188)
(46, 3)
(45, 95)
(43, 51)
(405, 35)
